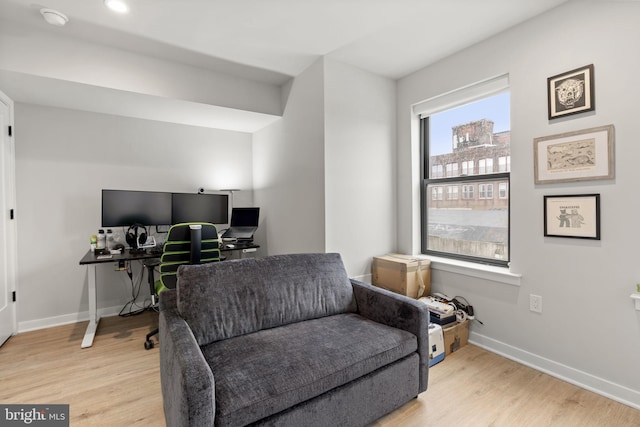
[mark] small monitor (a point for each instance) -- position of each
(123, 208)
(189, 207)
(244, 217)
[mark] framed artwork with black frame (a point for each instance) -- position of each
(576, 216)
(571, 92)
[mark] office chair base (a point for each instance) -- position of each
(148, 344)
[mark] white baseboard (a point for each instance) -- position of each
(65, 319)
(566, 373)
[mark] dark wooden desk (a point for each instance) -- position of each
(91, 260)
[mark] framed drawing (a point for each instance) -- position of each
(571, 92)
(574, 156)
(576, 216)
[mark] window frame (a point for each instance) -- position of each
(458, 180)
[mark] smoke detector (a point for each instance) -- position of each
(54, 17)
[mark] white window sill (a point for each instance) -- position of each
(472, 269)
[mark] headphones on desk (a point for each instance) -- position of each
(133, 238)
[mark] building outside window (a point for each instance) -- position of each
(467, 167)
(452, 192)
(473, 225)
(485, 191)
(504, 164)
(467, 192)
(436, 193)
(503, 192)
(485, 166)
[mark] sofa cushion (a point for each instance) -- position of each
(227, 299)
(263, 373)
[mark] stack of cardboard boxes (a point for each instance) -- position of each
(411, 276)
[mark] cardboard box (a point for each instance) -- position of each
(455, 337)
(403, 274)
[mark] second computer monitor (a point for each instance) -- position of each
(244, 217)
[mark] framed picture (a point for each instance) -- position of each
(576, 216)
(582, 155)
(571, 92)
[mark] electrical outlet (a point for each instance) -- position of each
(535, 303)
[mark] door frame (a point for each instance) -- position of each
(11, 241)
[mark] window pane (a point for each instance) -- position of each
(476, 133)
(467, 154)
(470, 226)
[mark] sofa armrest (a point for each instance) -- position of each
(400, 312)
(188, 391)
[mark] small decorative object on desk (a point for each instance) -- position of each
(102, 240)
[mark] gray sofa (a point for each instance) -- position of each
(287, 340)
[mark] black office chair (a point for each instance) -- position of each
(188, 243)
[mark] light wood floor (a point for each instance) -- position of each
(116, 383)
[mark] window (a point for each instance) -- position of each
(485, 191)
(502, 190)
(467, 192)
(452, 169)
(452, 192)
(436, 193)
(467, 167)
(472, 225)
(504, 164)
(485, 166)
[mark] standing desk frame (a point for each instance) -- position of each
(91, 260)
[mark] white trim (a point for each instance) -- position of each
(472, 269)
(464, 95)
(11, 231)
(582, 379)
(65, 319)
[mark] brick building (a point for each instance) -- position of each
(476, 150)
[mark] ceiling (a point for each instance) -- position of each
(274, 40)
(279, 38)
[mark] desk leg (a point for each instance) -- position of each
(93, 308)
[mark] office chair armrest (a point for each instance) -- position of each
(187, 382)
(397, 311)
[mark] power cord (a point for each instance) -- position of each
(462, 308)
(135, 292)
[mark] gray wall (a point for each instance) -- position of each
(589, 332)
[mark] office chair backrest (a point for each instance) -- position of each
(187, 243)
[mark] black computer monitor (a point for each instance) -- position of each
(123, 208)
(244, 217)
(189, 207)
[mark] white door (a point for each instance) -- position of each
(7, 226)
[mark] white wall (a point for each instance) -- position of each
(289, 171)
(31, 51)
(589, 332)
(63, 160)
(360, 162)
(324, 175)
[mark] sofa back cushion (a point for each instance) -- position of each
(231, 298)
